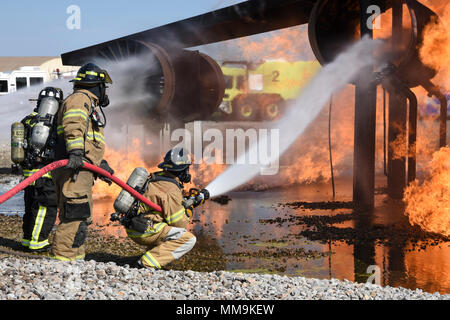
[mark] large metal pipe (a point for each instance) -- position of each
(396, 87)
(181, 84)
(335, 25)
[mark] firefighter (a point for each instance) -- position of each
(80, 138)
(40, 196)
(165, 237)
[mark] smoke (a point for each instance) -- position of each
(329, 80)
(15, 106)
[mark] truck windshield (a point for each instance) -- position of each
(3, 86)
(228, 82)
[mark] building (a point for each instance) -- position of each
(21, 72)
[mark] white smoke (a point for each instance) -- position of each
(315, 96)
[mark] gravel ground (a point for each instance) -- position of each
(22, 278)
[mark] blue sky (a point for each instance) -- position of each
(38, 28)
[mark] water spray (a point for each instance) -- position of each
(330, 79)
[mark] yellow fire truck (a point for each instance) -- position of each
(259, 91)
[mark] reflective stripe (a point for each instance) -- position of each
(177, 216)
(150, 231)
(29, 173)
(184, 248)
(77, 143)
(81, 257)
(151, 260)
(38, 245)
(96, 136)
(60, 130)
(38, 223)
(75, 113)
(25, 242)
(76, 79)
(92, 73)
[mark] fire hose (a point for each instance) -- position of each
(62, 163)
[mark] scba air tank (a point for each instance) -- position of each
(137, 181)
(46, 113)
(17, 142)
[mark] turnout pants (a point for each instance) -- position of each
(75, 213)
(40, 213)
(164, 244)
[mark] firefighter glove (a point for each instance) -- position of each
(75, 159)
(105, 166)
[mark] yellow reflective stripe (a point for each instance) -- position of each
(38, 245)
(80, 257)
(77, 143)
(60, 130)
(150, 231)
(151, 260)
(28, 173)
(38, 223)
(92, 73)
(25, 242)
(177, 216)
(81, 75)
(75, 113)
(97, 136)
(77, 79)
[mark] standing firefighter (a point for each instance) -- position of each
(40, 196)
(80, 138)
(163, 233)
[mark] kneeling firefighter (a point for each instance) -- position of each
(80, 138)
(37, 148)
(163, 233)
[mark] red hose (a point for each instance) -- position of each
(62, 163)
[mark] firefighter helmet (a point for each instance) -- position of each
(91, 74)
(177, 159)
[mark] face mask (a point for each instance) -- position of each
(104, 99)
(185, 177)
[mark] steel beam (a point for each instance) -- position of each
(243, 19)
(364, 134)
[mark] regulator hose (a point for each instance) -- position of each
(62, 163)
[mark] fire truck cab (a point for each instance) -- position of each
(22, 78)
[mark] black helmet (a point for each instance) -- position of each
(177, 159)
(56, 93)
(91, 74)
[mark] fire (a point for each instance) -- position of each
(428, 204)
(287, 44)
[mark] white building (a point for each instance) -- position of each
(22, 72)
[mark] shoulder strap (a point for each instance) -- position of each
(154, 177)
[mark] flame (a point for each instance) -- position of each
(428, 204)
(286, 44)
(435, 51)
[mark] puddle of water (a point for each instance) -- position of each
(253, 246)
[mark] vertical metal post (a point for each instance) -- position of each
(396, 180)
(364, 134)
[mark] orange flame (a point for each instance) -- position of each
(428, 204)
